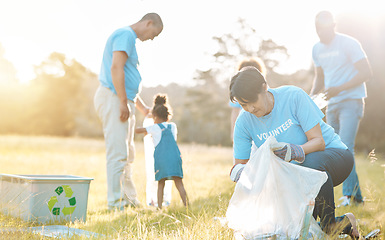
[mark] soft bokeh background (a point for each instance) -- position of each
(31, 30)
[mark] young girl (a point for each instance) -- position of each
(167, 159)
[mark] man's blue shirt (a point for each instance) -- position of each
(337, 62)
(123, 39)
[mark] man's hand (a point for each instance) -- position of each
(124, 112)
(332, 92)
(297, 153)
(236, 171)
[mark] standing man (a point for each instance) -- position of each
(341, 70)
(115, 102)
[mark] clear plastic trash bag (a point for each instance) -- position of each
(151, 184)
(274, 199)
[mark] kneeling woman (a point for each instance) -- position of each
(290, 115)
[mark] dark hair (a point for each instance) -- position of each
(246, 84)
(255, 62)
(161, 108)
(155, 18)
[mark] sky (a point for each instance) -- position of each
(31, 30)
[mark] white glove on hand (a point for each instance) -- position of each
(236, 171)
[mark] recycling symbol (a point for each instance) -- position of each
(63, 202)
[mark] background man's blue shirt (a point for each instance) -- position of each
(337, 62)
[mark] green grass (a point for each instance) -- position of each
(206, 181)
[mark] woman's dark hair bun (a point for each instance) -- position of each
(160, 99)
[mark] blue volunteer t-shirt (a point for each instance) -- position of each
(293, 114)
(123, 39)
(337, 62)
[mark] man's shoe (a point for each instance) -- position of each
(133, 203)
(345, 201)
(349, 201)
(130, 203)
(116, 208)
(357, 202)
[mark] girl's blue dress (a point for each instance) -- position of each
(167, 159)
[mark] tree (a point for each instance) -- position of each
(63, 104)
(206, 104)
(206, 112)
(7, 70)
(243, 43)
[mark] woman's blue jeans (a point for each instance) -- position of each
(337, 163)
(345, 118)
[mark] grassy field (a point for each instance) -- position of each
(206, 181)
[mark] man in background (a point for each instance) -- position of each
(115, 102)
(341, 70)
